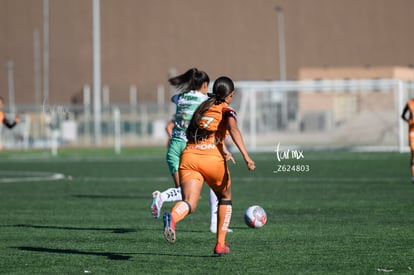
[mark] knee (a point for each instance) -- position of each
(224, 197)
(191, 207)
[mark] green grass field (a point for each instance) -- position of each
(351, 213)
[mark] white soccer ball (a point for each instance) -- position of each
(255, 216)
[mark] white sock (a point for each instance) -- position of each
(213, 211)
(171, 194)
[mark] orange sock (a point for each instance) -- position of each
(180, 210)
(223, 220)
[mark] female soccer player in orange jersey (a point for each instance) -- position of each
(409, 109)
(204, 159)
(193, 87)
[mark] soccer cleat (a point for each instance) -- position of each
(156, 204)
(169, 228)
(220, 250)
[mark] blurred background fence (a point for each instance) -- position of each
(335, 114)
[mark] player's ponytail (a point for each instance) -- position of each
(192, 79)
(194, 132)
(222, 87)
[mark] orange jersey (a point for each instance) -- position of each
(203, 160)
(2, 117)
(213, 121)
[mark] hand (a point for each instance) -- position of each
(229, 156)
(250, 164)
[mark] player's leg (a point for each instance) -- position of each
(220, 182)
(158, 199)
(213, 211)
(214, 172)
(411, 143)
(191, 184)
(175, 148)
(191, 193)
(224, 218)
(412, 165)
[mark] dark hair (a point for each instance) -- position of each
(192, 79)
(222, 87)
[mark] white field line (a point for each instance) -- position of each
(28, 176)
(361, 179)
(252, 180)
(269, 155)
(47, 158)
(32, 176)
(125, 179)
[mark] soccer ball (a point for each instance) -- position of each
(255, 216)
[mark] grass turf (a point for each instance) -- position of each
(351, 213)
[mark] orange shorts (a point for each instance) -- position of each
(205, 165)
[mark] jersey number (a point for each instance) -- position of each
(207, 120)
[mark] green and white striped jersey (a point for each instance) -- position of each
(186, 103)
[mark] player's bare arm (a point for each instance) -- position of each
(238, 140)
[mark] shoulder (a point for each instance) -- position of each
(229, 112)
(200, 96)
(175, 98)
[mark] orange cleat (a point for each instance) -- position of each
(220, 250)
